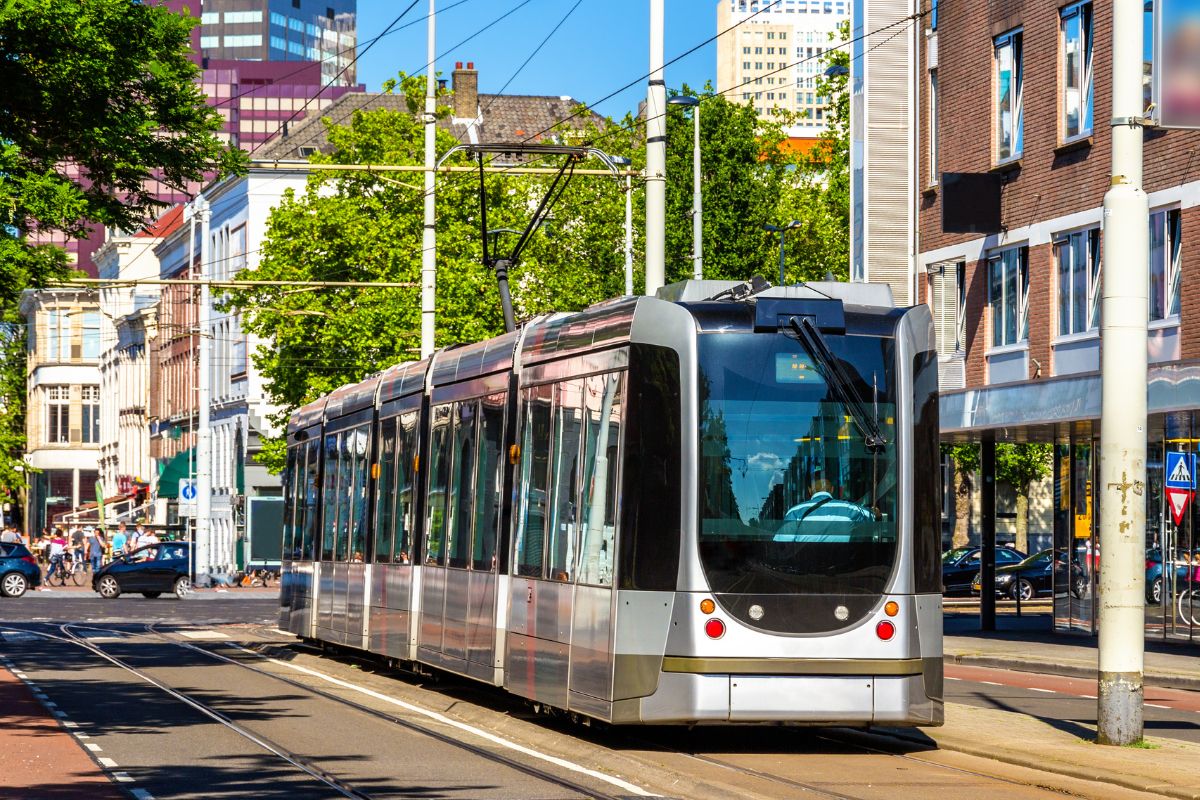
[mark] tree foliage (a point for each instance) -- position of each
(1022, 465)
(99, 96)
(363, 226)
(13, 470)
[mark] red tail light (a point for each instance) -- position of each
(29, 560)
(714, 628)
(885, 630)
(1149, 564)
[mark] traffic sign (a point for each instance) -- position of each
(1181, 470)
(187, 490)
(1178, 500)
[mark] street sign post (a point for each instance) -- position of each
(187, 497)
(1180, 483)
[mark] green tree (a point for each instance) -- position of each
(13, 470)
(965, 459)
(1020, 466)
(99, 96)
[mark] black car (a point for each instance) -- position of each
(960, 565)
(19, 570)
(1035, 576)
(151, 570)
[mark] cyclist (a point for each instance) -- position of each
(58, 547)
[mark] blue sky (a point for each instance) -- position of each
(601, 46)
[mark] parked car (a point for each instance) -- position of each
(1154, 572)
(151, 570)
(19, 570)
(960, 565)
(1037, 575)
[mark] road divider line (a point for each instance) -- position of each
(107, 762)
(95, 748)
(122, 777)
(462, 726)
(1047, 691)
(1156, 705)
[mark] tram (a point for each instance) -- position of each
(716, 505)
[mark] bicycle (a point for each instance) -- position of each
(67, 567)
(256, 578)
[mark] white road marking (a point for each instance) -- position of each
(203, 635)
(462, 726)
(1088, 696)
(49, 704)
(142, 794)
(952, 679)
(59, 714)
(1156, 705)
(95, 748)
(992, 683)
(122, 777)
(69, 724)
(1047, 691)
(82, 736)
(107, 762)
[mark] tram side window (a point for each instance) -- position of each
(568, 423)
(535, 467)
(330, 490)
(344, 489)
(489, 482)
(405, 521)
(439, 473)
(289, 502)
(358, 493)
(385, 498)
(311, 523)
(602, 463)
(462, 491)
(927, 494)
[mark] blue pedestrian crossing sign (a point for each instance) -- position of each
(1181, 470)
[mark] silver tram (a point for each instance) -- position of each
(708, 506)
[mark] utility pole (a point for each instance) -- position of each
(191, 523)
(429, 235)
(697, 202)
(204, 560)
(1123, 316)
(628, 235)
(656, 157)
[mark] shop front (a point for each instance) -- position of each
(1065, 412)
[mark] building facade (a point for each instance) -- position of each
(771, 57)
(323, 31)
(63, 408)
(1020, 91)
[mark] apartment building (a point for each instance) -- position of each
(771, 57)
(63, 413)
(1019, 93)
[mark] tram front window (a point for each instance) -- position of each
(793, 500)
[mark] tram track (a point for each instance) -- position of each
(305, 765)
(537, 773)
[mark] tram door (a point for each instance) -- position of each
(392, 571)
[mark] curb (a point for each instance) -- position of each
(1019, 759)
(1159, 679)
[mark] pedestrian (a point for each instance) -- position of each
(77, 539)
(148, 537)
(95, 549)
(10, 536)
(119, 541)
(135, 538)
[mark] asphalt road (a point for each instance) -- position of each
(202, 698)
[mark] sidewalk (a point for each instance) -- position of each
(38, 758)
(1028, 644)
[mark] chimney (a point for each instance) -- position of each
(466, 90)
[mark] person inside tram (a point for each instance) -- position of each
(822, 517)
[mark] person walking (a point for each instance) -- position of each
(10, 536)
(119, 541)
(78, 536)
(95, 549)
(135, 538)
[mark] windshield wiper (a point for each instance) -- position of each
(840, 382)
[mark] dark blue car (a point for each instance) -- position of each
(960, 565)
(151, 570)
(18, 570)
(1154, 573)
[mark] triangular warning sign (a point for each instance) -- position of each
(1180, 474)
(1178, 500)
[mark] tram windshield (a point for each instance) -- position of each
(793, 499)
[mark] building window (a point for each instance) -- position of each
(1164, 264)
(242, 16)
(1148, 54)
(933, 14)
(1078, 257)
(1008, 296)
(91, 414)
(210, 42)
(1077, 70)
(58, 410)
(58, 336)
(933, 126)
(249, 40)
(1010, 127)
(91, 334)
(210, 17)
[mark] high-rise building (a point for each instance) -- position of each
(323, 31)
(772, 55)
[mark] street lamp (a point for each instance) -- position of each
(626, 163)
(687, 101)
(782, 231)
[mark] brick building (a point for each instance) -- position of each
(1021, 90)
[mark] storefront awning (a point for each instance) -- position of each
(180, 467)
(1031, 409)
